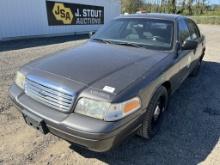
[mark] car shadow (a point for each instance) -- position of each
(190, 131)
(27, 43)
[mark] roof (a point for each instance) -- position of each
(163, 16)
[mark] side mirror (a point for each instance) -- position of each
(189, 45)
(91, 34)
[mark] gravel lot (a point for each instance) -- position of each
(190, 135)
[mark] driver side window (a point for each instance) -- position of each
(183, 32)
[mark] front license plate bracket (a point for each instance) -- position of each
(35, 122)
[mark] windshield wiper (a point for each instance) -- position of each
(102, 40)
(130, 44)
(118, 43)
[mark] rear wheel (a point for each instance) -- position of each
(154, 114)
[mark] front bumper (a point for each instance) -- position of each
(93, 134)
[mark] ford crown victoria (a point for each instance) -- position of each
(117, 84)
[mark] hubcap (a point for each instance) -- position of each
(157, 112)
(157, 117)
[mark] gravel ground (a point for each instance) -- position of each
(190, 135)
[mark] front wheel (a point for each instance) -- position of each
(154, 114)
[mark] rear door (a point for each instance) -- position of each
(196, 36)
(184, 56)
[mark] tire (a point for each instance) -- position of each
(151, 124)
(196, 70)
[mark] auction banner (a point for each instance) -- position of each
(60, 13)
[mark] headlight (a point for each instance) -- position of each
(107, 111)
(20, 79)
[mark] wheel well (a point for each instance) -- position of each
(203, 54)
(167, 85)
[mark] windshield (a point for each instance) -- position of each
(148, 33)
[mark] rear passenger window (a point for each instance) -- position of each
(193, 29)
(183, 31)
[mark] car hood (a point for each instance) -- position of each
(98, 65)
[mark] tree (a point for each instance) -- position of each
(181, 7)
(189, 6)
(201, 6)
(132, 6)
(163, 6)
(172, 6)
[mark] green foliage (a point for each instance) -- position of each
(215, 10)
(206, 19)
(197, 9)
(185, 7)
(131, 6)
(171, 6)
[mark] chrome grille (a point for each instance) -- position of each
(51, 97)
